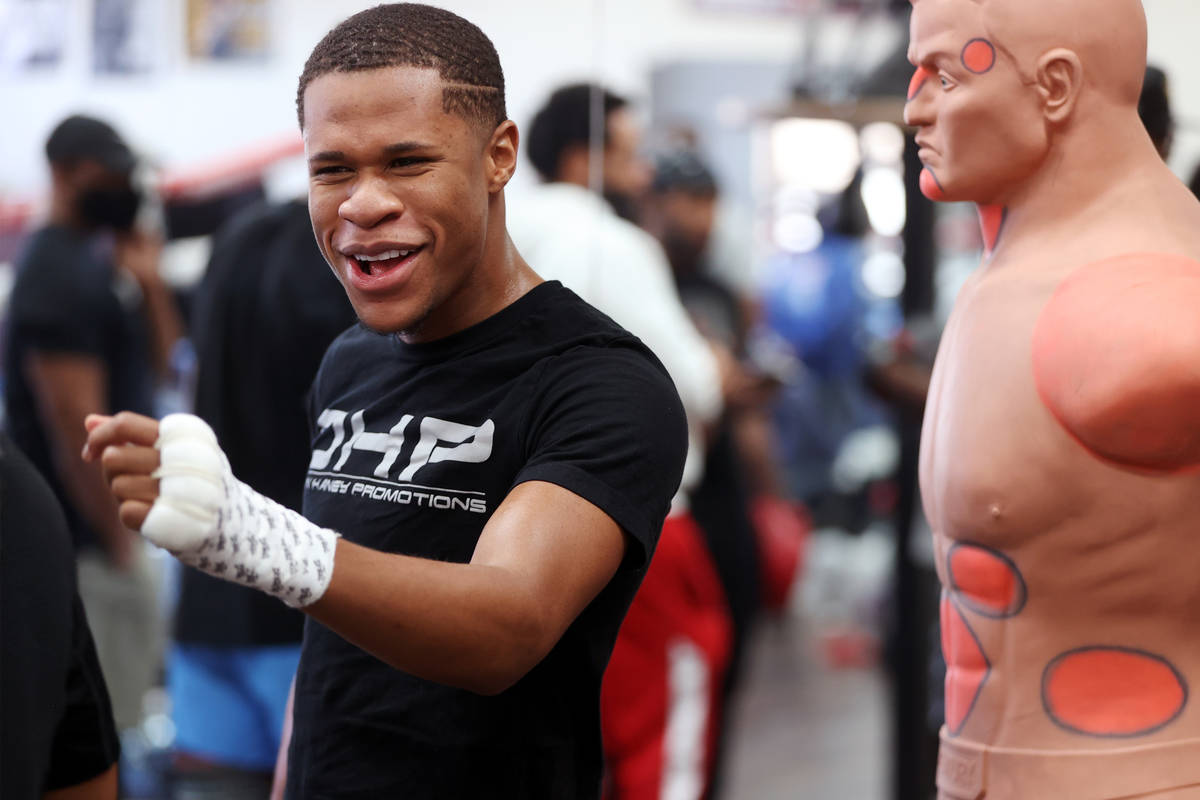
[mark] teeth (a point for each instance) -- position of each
(385, 256)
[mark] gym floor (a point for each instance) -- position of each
(803, 730)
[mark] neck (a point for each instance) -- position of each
(500, 278)
(1091, 170)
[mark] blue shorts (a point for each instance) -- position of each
(228, 702)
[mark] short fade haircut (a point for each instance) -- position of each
(565, 120)
(416, 35)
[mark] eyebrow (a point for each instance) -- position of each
(929, 57)
(399, 148)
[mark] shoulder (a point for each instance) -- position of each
(576, 326)
(1116, 359)
(622, 360)
(618, 386)
(48, 255)
(58, 281)
(588, 345)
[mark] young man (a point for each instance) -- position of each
(1059, 454)
(492, 459)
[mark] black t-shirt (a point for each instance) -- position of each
(69, 299)
(56, 724)
(415, 447)
(267, 309)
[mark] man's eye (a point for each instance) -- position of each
(408, 162)
(946, 82)
(330, 170)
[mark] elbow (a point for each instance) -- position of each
(522, 642)
(492, 685)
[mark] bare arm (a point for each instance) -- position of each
(68, 387)
(139, 254)
(542, 557)
(101, 787)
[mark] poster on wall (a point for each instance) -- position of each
(127, 36)
(227, 30)
(32, 36)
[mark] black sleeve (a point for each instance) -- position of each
(85, 743)
(64, 316)
(607, 425)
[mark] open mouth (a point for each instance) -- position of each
(383, 262)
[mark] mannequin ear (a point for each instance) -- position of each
(1059, 80)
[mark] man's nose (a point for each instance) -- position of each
(371, 202)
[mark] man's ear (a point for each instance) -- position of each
(501, 155)
(1059, 81)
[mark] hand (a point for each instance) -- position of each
(139, 254)
(124, 445)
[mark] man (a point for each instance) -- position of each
(1059, 453)
(90, 326)
(266, 311)
(57, 736)
(497, 456)
(661, 698)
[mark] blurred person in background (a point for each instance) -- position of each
(58, 740)
(265, 312)
(817, 303)
(740, 475)
(660, 703)
(91, 326)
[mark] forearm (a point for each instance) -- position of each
(162, 315)
(754, 437)
(465, 625)
(86, 489)
(89, 495)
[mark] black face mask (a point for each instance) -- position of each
(115, 209)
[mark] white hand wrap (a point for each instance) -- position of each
(210, 520)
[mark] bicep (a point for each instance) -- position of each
(563, 549)
(67, 387)
(101, 787)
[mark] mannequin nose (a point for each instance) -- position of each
(917, 108)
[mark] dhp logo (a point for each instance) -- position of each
(440, 440)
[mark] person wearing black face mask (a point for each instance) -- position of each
(91, 324)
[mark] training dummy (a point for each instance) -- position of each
(1061, 446)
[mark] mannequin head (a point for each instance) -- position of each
(1002, 85)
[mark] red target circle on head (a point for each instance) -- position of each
(979, 56)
